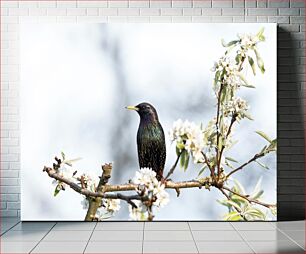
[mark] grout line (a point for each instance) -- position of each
(290, 238)
(10, 228)
(90, 237)
(247, 243)
(143, 232)
(42, 238)
(193, 237)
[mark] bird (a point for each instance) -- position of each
(151, 145)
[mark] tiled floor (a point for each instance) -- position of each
(156, 237)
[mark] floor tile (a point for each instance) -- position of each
(223, 247)
(216, 236)
(168, 236)
(114, 247)
(60, 247)
(211, 226)
(253, 226)
(169, 247)
(69, 236)
(63, 226)
(132, 225)
(166, 226)
(23, 236)
(98, 236)
(17, 247)
(297, 235)
(33, 226)
(276, 247)
(291, 225)
(273, 235)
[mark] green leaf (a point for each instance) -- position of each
(255, 212)
(238, 59)
(260, 35)
(258, 195)
(238, 199)
(273, 210)
(69, 162)
(259, 60)
(56, 191)
(263, 149)
(252, 64)
(223, 95)
(231, 159)
(232, 203)
(261, 164)
(180, 146)
(248, 116)
(183, 158)
(244, 81)
(264, 135)
(232, 216)
(222, 202)
(202, 170)
(63, 155)
(231, 43)
(177, 150)
(257, 192)
(239, 187)
(186, 162)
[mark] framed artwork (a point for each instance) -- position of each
(148, 122)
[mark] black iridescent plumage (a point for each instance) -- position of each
(150, 139)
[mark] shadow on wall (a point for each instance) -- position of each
(290, 129)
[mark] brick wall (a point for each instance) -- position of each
(289, 14)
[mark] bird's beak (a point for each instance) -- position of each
(132, 108)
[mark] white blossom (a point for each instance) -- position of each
(236, 106)
(229, 69)
(147, 177)
(189, 136)
(152, 188)
(139, 213)
(111, 205)
(248, 40)
(65, 172)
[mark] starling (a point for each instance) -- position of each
(150, 139)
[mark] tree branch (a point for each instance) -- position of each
(256, 156)
(217, 128)
(123, 187)
(53, 174)
(212, 173)
(248, 199)
(174, 166)
(95, 203)
(227, 134)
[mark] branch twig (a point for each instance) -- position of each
(212, 173)
(248, 199)
(174, 166)
(227, 134)
(256, 156)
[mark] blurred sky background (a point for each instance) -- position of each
(76, 80)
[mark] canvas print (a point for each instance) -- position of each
(150, 122)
